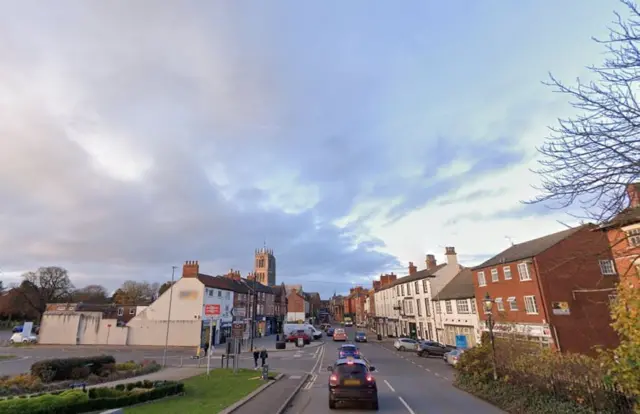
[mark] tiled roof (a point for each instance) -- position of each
(419, 275)
(221, 282)
(530, 248)
(625, 217)
(460, 287)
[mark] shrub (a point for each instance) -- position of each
(80, 373)
(61, 369)
(127, 366)
(19, 384)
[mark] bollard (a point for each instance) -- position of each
(221, 361)
(180, 361)
(265, 372)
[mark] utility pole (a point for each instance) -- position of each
(254, 308)
(166, 339)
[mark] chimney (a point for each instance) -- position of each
(392, 277)
(431, 261)
(191, 268)
(452, 257)
(377, 284)
(633, 191)
(412, 268)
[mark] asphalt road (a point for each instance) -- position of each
(406, 384)
(294, 362)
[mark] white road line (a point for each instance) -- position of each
(436, 374)
(420, 366)
(389, 385)
(321, 359)
(428, 369)
(406, 405)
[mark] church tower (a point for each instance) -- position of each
(265, 266)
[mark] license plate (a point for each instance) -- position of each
(351, 382)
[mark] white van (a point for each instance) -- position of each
(288, 328)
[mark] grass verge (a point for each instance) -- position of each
(206, 394)
(4, 357)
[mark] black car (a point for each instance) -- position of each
(427, 348)
(348, 350)
(351, 380)
(361, 337)
(330, 331)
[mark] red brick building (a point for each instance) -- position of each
(623, 233)
(295, 306)
(553, 290)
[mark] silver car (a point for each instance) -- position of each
(453, 357)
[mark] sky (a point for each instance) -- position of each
(350, 137)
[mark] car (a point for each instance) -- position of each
(453, 357)
(403, 344)
(330, 331)
(348, 350)
(325, 327)
(429, 348)
(340, 335)
(360, 337)
(293, 337)
(19, 338)
(351, 380)
(20, 328)
(348, 323)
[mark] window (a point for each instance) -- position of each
(494, 275)
(481, 280)
(473, 306)
(462, 305)
(416, 287)
(408, 289)
(427, 308)
(210, 292)
(424, 285)
(523, 271)
(132, 311)
(633, 237)
(402, 289)
(530, 305)
(612, 300)
(120, 311)
(447, 304)
(513, 305)
(499, 305)
(507, 272)
(418, 307)
(228, 294)
(398, 290)
(219, 293)
(606, 267)
(438, 308)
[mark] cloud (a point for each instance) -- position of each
(136, 136)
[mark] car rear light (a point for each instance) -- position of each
(455, 358)
(370, 378)
(333, 380)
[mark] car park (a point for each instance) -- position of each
(340, 335)
(360, 337)
(432, 348)
(348, 350)
(405, 344)
(351, 381)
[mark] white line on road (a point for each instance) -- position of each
(436, 374)
(389, 385)
(420, 366)
(406, 405)
(428, 369)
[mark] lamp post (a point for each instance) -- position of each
(166, 339)
(488, 307)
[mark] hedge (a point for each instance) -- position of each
(61, 369)
(76, 401)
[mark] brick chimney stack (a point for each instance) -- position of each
(452, 257)
(431, 261)
(412, 268)
(633, 191)
(377, 284)
(191, 268)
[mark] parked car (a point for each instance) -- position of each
(432, 348)
(360, 337)
(19, 338)
(293, 337)
(348, 350)
(19, 328)
(453, 357)
(351, 380)
(330, 331)
(404, 344)
(339, 335)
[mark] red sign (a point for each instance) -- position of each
(109, 326)
(211, 310)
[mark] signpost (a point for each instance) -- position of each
(211, 310)
(237, 331)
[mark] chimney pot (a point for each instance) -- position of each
(633, 191)
(431, 261)
(452, 257)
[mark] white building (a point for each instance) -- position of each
(403, 307)
(455, 314)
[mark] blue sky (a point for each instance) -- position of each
(353, 137)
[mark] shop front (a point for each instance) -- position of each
(539, 334)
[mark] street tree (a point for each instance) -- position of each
(164, 287)
(91, 294)
(591, 158)
(46, 285)
(132, 292)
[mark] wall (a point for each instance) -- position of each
(59, 328)
(469, 320)
(296, 303)
(565, 269)
(295, 316)
(93, 330)
(626, 256)
(149, 327)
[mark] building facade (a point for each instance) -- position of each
(553, 290)
(296, 305)
(265, 266)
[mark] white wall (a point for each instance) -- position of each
(469, 320)
(295, 316)
(81, 328)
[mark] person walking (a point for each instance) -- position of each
(264, 356)
(256, 355)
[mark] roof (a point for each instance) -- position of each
(419, 275)
(630, 215)
(530, 248)
(221, 282)
(460, 287)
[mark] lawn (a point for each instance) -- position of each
(4, 357)
(206, 394)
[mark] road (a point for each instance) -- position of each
(406, 384)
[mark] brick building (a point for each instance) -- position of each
(553, 290)
(623, 233)
(296, 305)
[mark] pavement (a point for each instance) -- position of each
(406, 384)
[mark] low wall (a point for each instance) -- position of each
(153, 332)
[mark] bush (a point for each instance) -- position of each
(127, 366)
(80, 373)
(61, 369)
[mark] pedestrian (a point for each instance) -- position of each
(206, 348)
(264, 356)
(256, 355)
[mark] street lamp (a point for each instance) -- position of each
(488, 307)
(166, 339)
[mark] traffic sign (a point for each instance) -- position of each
(237, 329)
(211, 310)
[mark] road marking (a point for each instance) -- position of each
(389, 385)
(406, 405)
(420, 366)
(295, 377)
(436, 374)
(413, 362)
(428, 369)
(310, 383)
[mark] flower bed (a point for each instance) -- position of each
(74, 373)
(77, 401)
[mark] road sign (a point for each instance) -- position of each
(239, 312)
(211, 310)
(237, 330)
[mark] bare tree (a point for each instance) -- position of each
(164, 287)
(46, 285)
(91, 294)
(132, 292)
(591, 158)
